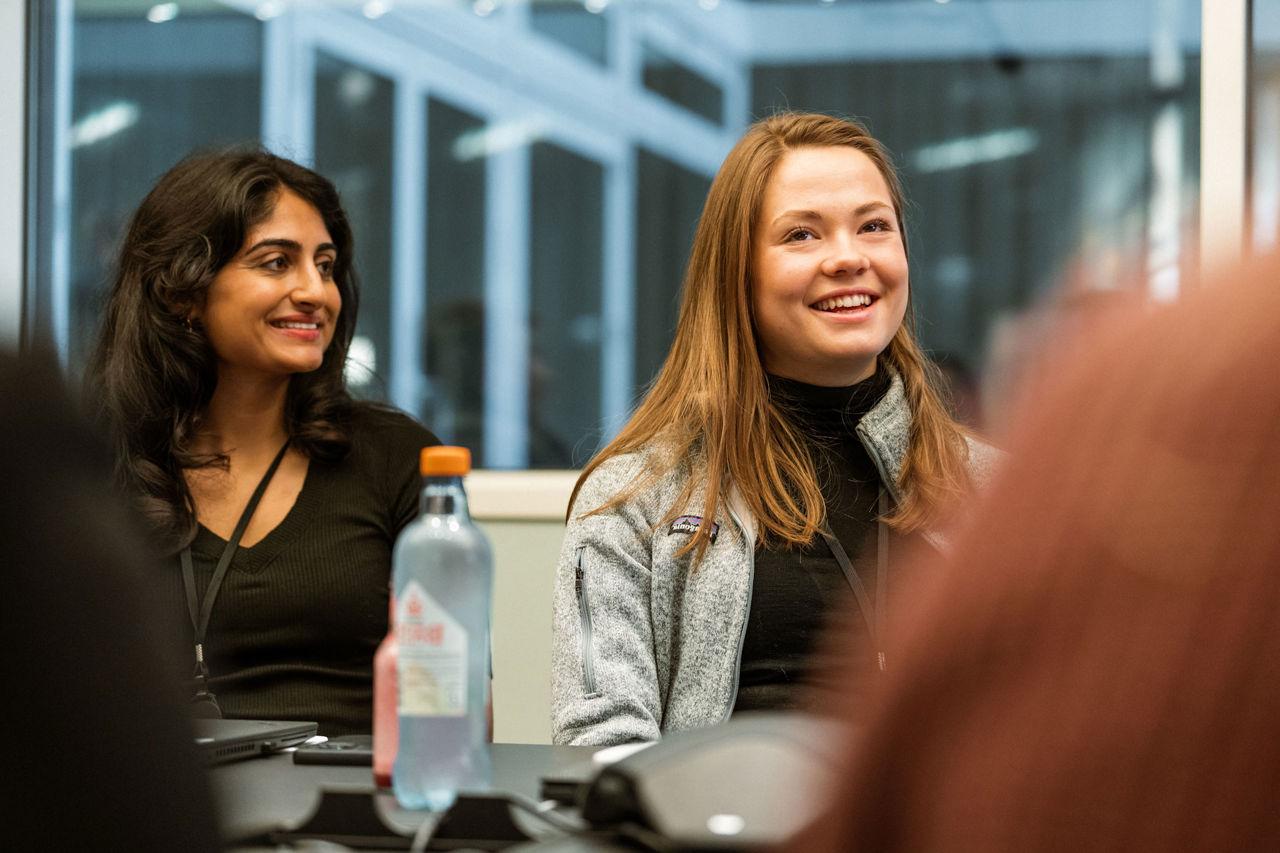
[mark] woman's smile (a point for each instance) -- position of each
(302, 328)
(851, 306)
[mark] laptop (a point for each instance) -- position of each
(219, 741)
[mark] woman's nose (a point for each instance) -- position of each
(308, 286)
(844, 257)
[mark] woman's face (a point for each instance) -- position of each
(828, 267)
(271, 311)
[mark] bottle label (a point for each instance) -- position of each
(432, 665)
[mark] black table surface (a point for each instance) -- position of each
(261, 794)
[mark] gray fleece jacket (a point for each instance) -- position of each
(642, 645)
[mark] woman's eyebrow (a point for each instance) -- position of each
(276, 243)
(864, 209)
(797, 214)
(290, 245)
(860, 210)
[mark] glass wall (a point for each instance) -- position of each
(566, 274)
(524, 178)
(453, 334)
(354, 121)
(1264, 85)
(668, 202)
(141, 98)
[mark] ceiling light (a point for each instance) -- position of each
(494, 138)
(103, 123)
(162, 12)
(972, 150)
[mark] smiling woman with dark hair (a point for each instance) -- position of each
(219, 379)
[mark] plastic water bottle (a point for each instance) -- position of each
(443, 581)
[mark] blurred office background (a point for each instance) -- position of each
(524, 175)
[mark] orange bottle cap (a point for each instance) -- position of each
(444, 461)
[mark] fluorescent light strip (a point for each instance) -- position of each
(973, 150)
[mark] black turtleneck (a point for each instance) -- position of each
(795, 589)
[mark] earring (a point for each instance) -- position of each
(186, 321)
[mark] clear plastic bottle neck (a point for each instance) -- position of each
(444, 496)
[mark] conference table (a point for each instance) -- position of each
(262, 795)
(750, 783)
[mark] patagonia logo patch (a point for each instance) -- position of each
(690, 524)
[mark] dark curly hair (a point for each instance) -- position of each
(153, 373)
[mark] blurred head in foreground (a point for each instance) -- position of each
(1098, 665)
(102, 756)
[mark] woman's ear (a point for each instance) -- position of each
(188, 315)
(180, 306)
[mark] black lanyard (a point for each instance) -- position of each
(873, 616)
(200, 613)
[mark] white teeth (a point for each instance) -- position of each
(853, 300)
(308, 326)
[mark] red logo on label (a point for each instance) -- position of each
(414, 607)
(435, 634)
(422, 635)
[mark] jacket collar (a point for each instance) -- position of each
(885, 432)
(740, 513)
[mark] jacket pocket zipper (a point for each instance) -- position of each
(584, 621)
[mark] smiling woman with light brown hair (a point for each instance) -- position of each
(792, 439)
(219, 380)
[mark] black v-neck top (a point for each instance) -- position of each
(795, 590)
(300, 614)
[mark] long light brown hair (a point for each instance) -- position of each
(710, 400)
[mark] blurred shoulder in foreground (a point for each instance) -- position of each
(99, 753)
(1098, 666)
